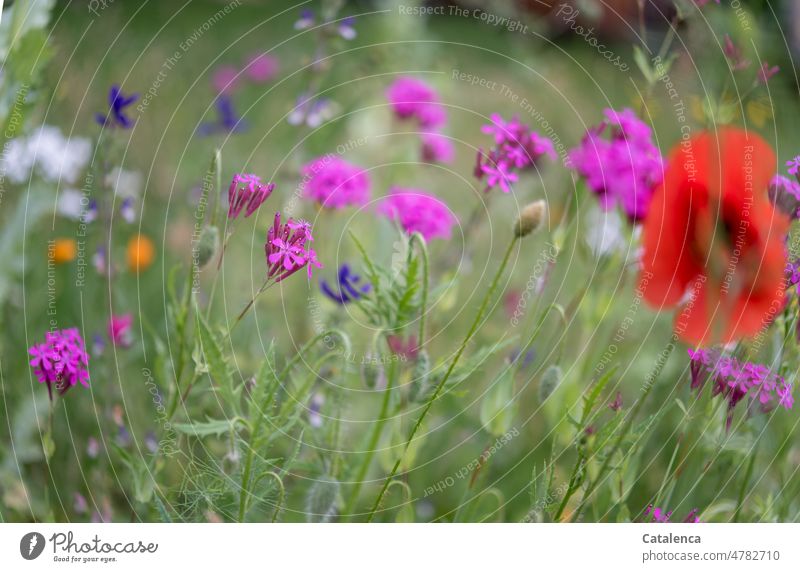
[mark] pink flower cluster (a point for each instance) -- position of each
(412, 98)
(61, 361)
(437, 148)
(334, 183)
(417, 211)
(259, 68)
(516, 148)
(623, 169)
(288, 248)
(735, 380)
(247, 193)
(784, 193)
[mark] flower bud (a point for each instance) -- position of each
(550, 380)
(372, 373)
(207, 245)
(530, 218)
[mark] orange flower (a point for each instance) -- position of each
(713, 243)
(141, 253)
(62, 250)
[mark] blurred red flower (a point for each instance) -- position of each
(713, 243)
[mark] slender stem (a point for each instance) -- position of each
(622, 434)
(373, 440)
(264, 287)
(420, 240)
(472, 330)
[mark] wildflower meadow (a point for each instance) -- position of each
(380, 261)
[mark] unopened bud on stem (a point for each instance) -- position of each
(530, 218)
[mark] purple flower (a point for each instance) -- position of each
(784, 193)
(346, 29)
(61, 361)
(516, 148)
(660, 515)
(616, 405)
(334, 183)
(127, 210)
(117, 102)
(225, 79)
(734, 381)
(227, 119)
(119, 330)
(417, 211)
(766, 73)
(247, 193)
(412, 98)
(347, 288)
(315, 409)
(261, 68)
(734, 55)
(623, 169)
(794, 166)
(311, 111)
(306, 20)
(288, 249)
(436, 148)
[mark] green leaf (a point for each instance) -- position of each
(213, 360)
(591, 398)
(643, 63)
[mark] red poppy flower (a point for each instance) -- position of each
(713, 243)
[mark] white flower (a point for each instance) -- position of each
(57, 157)
(126, 184)
(604, 231)
(69, 204)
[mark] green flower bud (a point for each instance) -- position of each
(549, 382)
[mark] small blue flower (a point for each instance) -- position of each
(227, 119)
(117, 102)
(348, 288)
(306, 20)
(346, 29)
(127, 211)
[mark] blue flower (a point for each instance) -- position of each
(346, 29)
(306, 20)
(227, 120)
(117, 102)
(348, 288)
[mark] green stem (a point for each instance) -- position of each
(472, 330)
(373, 440)
(622, 434)
(420, 240)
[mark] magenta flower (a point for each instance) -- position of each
(766, 73)
(735, 381)
(417, 211)
(225, 79)
(516, 148)
(734, 54)
(436, 148)
(623, 169)
(61, 361)
(794, 166)
(660, 515)
(119, 330)
(261, 68)
(412, 98)
(288, 249)
(784, 193)
(247, 192)
(335, 183)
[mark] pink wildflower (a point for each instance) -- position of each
(119, 330)
(247, 191)
(417, 211)
(335, 183)
(288, 249)
(61, 361)
(412, 98)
